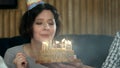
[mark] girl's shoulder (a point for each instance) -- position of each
(15, 49)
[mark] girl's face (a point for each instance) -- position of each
(44, 26)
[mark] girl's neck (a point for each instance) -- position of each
(33, 49)
(35, 45)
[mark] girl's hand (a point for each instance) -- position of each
(20, 61)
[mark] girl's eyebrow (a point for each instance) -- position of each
(39, 19)
(43, 18)
(48, 19)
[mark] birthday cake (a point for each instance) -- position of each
(56, 52)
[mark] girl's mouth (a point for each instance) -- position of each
(45, 35)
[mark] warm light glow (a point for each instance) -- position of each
(45, 45)
(63, 40)
(63, 44)
(57, 42)
(69, 42)
(69, 45)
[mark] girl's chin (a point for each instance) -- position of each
(43, 40)
(46, 39)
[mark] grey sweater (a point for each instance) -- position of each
(11, 53)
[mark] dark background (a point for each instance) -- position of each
(8, 4)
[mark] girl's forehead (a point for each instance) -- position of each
(45, 14)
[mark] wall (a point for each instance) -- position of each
(78, 17)
(9, 19)
(89, 16)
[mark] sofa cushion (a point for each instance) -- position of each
(17, 40)
(4, 44)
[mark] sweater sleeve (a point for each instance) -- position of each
(8, 58)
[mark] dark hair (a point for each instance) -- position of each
(29, 16)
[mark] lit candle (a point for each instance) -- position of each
(68, 45)
(58, 44)
(63, 43)
(45, 45)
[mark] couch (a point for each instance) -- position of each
(90, 49)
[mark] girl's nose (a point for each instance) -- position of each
(46, 26)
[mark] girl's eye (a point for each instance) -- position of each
(39, 23)
(51, 23)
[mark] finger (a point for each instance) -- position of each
(20, 58)
(24, 63)
(20, 54)
(21, 62)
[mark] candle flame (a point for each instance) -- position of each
(57, 42)
(69, 42)
(63, 44)
(63, 40)
(45, 43)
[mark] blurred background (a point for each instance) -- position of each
(78, 17)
